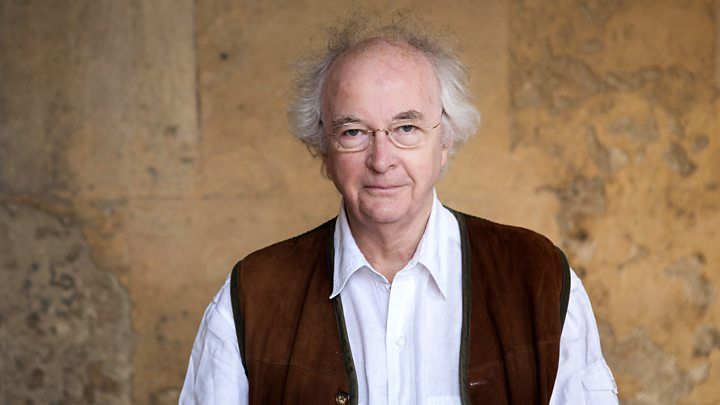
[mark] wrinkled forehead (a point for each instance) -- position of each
(382, 70)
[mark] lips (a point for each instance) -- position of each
(383, 186)
(383, 189)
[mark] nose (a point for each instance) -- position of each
(382, 154)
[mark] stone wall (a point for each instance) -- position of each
(144, 149)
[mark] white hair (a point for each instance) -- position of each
(460, 119)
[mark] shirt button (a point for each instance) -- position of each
(400, 341)
(342, 398)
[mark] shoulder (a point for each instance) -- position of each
(289, 248)
(218, 317)
(496, 235)
(287, 254)
(512, 258)
(516, 253)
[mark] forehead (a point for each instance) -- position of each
(381, 79)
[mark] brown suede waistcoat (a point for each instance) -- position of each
(294, 343)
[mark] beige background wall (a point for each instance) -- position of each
(144, 149)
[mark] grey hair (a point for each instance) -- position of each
(460, 119)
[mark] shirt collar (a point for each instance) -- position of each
(429, 253)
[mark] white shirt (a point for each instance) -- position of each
(404, 336)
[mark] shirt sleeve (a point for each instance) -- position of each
(583, 377)
(215, 373)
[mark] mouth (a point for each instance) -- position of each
(383, 189)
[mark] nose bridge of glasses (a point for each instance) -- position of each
(382, 151)
(389, 135)
(374, 131)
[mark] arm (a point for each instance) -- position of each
(215, 373)
(583, 377)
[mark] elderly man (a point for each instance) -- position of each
(399, 299)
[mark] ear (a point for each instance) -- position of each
(445, 151)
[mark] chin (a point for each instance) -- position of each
(384, 213)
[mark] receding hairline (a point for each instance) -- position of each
(369, 45)
(379, 40)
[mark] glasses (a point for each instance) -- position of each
(355, 137)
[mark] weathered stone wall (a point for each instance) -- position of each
(98, 153)
(144, 149)
(621, 100)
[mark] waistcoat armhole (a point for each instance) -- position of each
(565, 293)
(237, 312)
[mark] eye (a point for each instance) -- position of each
(351, 132)
(406, 129)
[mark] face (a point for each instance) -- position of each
(375, 85)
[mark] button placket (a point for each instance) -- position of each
(400, 313)
(394, 326)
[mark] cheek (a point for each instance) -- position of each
(342, 170)
(427, 167)
(331, 171)
(422, 168)
(342, 167)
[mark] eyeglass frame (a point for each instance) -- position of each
(388, 132)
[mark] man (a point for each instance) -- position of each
(399, 300)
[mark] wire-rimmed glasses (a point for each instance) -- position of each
(357, 136)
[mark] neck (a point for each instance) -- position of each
(389, 247)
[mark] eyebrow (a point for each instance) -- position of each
(408, 115)
(345, 119)
(350, 119)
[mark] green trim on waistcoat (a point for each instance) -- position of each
(340, 318)
(237, 313)
(565, 293)
(466, 306)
